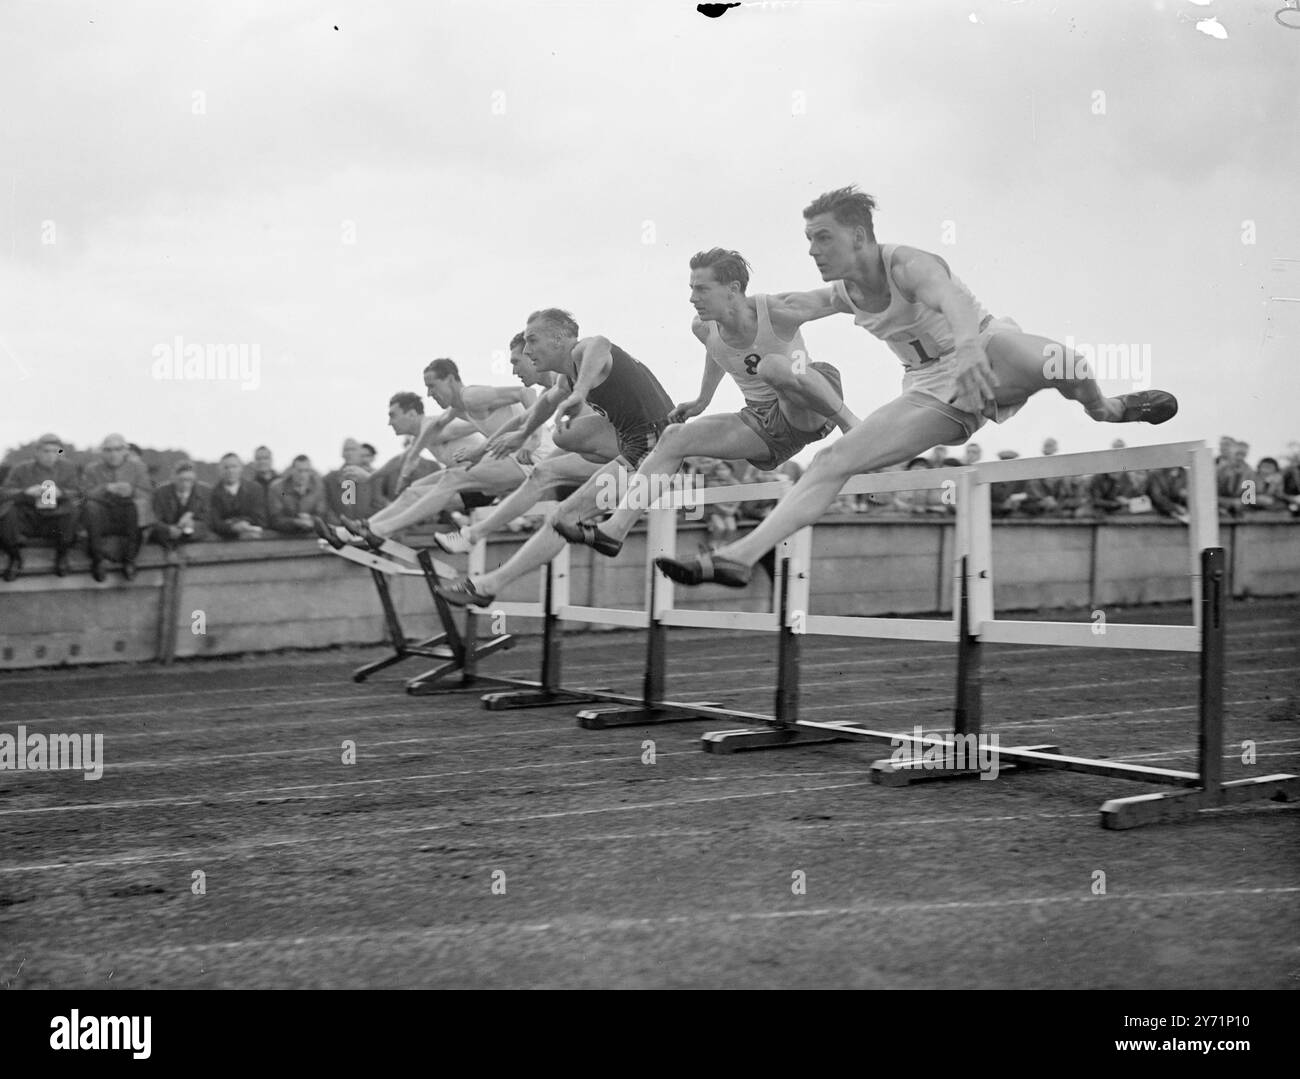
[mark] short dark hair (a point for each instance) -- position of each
(558, 318)
(407, 402)
(183, 466)
(847, 205)
(443, 368)
(260, 449)
(517, 341)
(371, 449)
(918, 462)
(135, 449)
(727, 266)
(227, 456)
(1271, 460)
(301, 458)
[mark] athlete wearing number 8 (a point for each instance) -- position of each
(961, 365)
(790, 401)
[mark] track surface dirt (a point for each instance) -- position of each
(610, 871)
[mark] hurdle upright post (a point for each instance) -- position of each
(1202, 518)
(1213, 635)
(652, 707)
(973, 596)
(793, 558)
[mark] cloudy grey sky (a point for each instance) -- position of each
(355, 188)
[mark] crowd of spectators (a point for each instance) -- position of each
(48, 498)
(114, 497)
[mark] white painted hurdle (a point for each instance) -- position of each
(974, 623)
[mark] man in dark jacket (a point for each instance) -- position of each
(295, 499)
(182, 508)
(237, 506)
(40, 498)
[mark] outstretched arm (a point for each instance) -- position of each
(489, 398)
(595, 359)
(790, 310)
(924, 278)
(515, 433)
(709, 383)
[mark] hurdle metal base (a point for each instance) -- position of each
(643, 715)
(458, 652)
(536, 696)
(773, 737)
(432, 682)
(426, 649)
(887, 773)
(1122, 813)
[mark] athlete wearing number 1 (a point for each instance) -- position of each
(961, 366)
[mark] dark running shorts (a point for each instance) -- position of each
(474, 500)
(783, 440)
(635, 444)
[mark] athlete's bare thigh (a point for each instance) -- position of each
(1020, 362)
(894, 433)
(724, 436)
(591, 436)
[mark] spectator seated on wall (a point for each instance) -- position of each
(721, 517)
(1270, 489)
(351, 490)
(1060, 496)
(181, 509)
(261, 473)
(1118, 492)
(237, 509)
(880, 503)
(119, 502)
(927, 501)
(757, 511)
(1167, 489)
(40, 499)
(295, 499)
(1007, 498)
(1291, 474)
(1234, 478)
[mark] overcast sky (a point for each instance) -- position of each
(349, 190)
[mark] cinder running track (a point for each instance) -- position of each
(621, 873)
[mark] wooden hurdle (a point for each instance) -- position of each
(459, 652)
(973, 623)
(617, 709)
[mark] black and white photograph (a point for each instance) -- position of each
(586, 494)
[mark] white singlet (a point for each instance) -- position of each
(742, 363)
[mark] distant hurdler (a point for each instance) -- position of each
(486, 409)
(559, 466)
(632, 410)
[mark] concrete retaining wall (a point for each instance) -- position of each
(274, 594)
